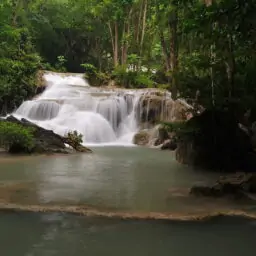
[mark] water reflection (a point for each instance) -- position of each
(64, 235)
(111, 178)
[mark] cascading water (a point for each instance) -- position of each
(103, 116)
(69, 103)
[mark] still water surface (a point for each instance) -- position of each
(114, 179)
(64, 235)
(111, 178)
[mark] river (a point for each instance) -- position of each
(119, 200)
(116, 201)
(65, 235)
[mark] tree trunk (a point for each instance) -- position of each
(138, 24)
(143, 25)
(165, 51)
(112, 41)
(173, 23)
(230, 66)
(116, 46)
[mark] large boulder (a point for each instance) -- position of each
(161, 135)
(46, 141)
(156, 137)
(238, 185)
(141, 138)
(154, 108)
(215, 140)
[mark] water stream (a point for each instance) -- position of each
(102, 115)
(114, 183)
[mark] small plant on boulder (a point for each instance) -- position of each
(74, 139)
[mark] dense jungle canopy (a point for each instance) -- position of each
(194, 48)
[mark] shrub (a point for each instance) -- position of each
(15, 138)
(94, 76)
(132, 79)
(74, 139)
(60, 64)
(182, 128)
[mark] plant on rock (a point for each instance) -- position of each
(16, 138)
(74, 139)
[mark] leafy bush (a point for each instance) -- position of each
(15, 138)
(132, 79)
(74, 139)
(89, 69)
(182, 128)
(95, 77)
(60, 64)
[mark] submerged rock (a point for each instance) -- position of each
(46, 141)
(240, 185)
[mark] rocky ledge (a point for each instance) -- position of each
(156, 137)
(46, 141)
(239, 185)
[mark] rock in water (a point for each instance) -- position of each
(83, 149)
(162, 135)
(141, 138)
(46, 141)
(238, 185)
(169, 144)
(214, 140)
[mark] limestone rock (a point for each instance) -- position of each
(141, 138)
(46, 141)
(161, 135)
(154, 108)
(238, 185)
(169, 144)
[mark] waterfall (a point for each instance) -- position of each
(103, 116)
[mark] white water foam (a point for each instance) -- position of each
(104, 117)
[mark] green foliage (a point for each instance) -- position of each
(59, 66)
(18, 64)
(89, 69)
(184, 44)
(74, 138)
(94, 76)
(132, 79)
(15, 137)
(182, 128)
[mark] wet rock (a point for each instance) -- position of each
(141, 138)
(46, 141)
(240, 185)
(83, 149)
(154, 108)
(169, 144)
(161, 135)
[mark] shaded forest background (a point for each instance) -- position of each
(197, 49)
